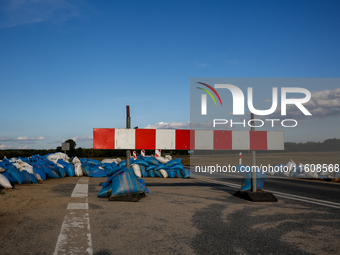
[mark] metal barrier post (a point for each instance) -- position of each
(128, 125)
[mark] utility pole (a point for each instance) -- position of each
(128, 125)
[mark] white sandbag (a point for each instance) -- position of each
(78, 170)
(21, 165)
(37, 176)
(4, 182)
(290, 165)
(311, 174)
(110, 160)
(163, 160)
(2, 170)
(164, 173)
(76, 160)
(168, 157)
(58, 155)
(59, 165)
(136, 170)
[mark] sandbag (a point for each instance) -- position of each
(9, 178)
(143, 171)
(126, 183)
(136, 170)
(178, 173)
(162, 160)
(164, 173)
(105, 192)
(171, 173)
(38, 177)
(151, 173)
(157, 174)
(186, 173)
(178, 166)
(246, 181)
(17, 175)
(29, 177)
(151, 160)
(4, 182)
(141, 162)
(78, 170)
(141, 181)
(162, 166)
(174, 162)
(150, 167)
(39, 170)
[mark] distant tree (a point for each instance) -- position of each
(72, 144)
(58, 149)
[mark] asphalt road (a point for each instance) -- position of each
(64, 216)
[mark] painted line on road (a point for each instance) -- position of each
(75, 235)
(285, 195)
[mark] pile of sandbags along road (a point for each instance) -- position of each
(306, 171)
(121, 180)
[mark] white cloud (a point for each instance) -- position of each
(22, 138)
(23, 12)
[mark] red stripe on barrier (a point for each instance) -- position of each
(185, 139)
(222, 140)
(258, 140)
(103, 138)
(145, 139)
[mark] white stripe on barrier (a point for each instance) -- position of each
(240, 140)
(275, 140)
(165, 139)
(204, 140)
(125, 138)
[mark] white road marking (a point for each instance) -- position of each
(81, 189)
(75, 235)
(285, 195)
(78, 206)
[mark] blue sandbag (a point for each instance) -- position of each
(109, 167)
(157, 173)
(114, 170)
(246, 181)
(143, 171)
(126, 183)
(29, 177)
(95, 171)
(141, 162)
(50, 173)
(174, 162)
(62, 172)
(105, 192)
(162, 166)
(151, 173)
(109, 179)
(142, 182)
(9, 178)
(178, 173)
(122, 163)
(86, 169)
(151, 160)
(186, 173)
(150, 167)
(94, 162)
(171, 173)
(17, 175)
(39, 170)
(69, 168)
(178, 166)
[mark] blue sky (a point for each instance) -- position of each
(67, 67)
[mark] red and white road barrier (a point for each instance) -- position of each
(180, 139)
(158, 153)
(134, 154)
(240, 158)
(142, 153)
